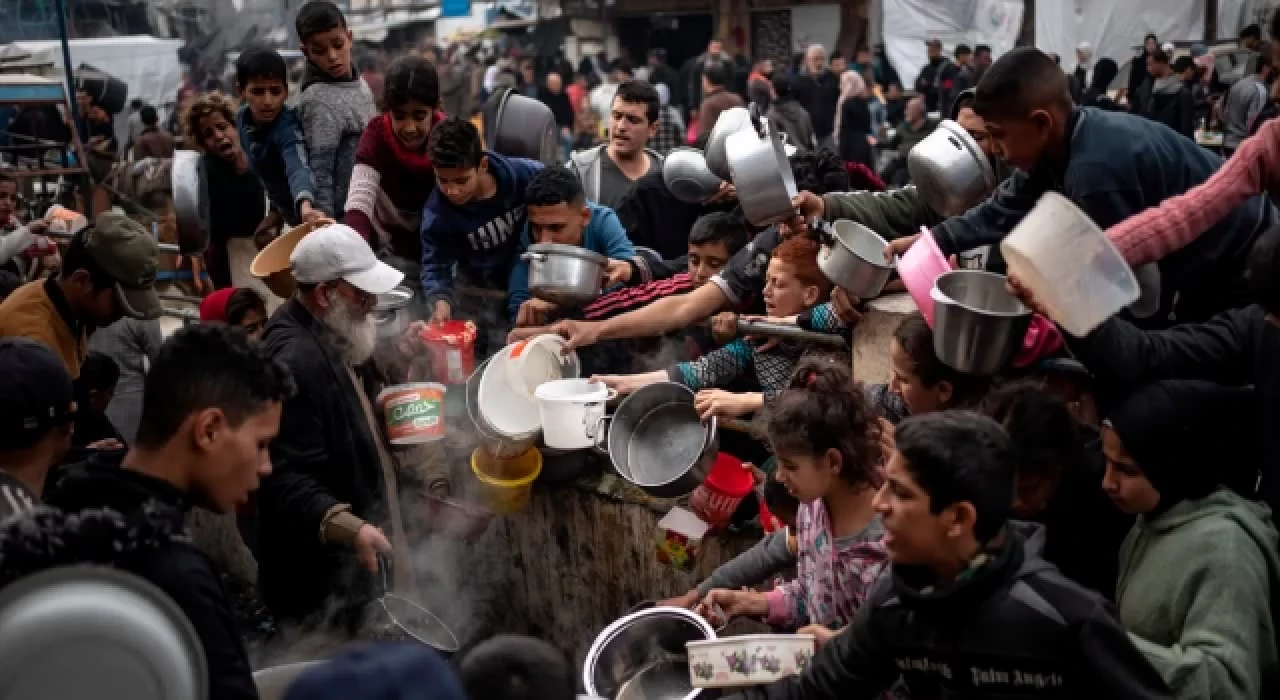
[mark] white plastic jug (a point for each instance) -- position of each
(571, 411)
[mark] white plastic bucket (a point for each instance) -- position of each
(571, 410)
(506, 394)
(1070, 266)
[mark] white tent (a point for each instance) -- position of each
(908, 23)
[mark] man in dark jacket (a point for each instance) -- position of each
(930, 82)
(212, 406)
(1112, 166)
(662, 74)
(955, 78)
(37, 408)
(817, 89)
(657, 220)
(316, 543)
(1165, 98)
(967, 609)
(689, 94)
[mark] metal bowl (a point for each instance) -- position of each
(645, 650)
(950, 170)
(978, 326)
(522, 127)
(81, 631)
(657, 442)
(271, 264)
(854, 259)
(564, 275)
(389, 313)
(190, 201)
(730, 122)
(687, 176)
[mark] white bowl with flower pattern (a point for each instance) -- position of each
(750, 659)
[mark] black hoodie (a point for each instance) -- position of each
(1012, 629)
(102, 514)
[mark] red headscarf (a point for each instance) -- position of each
(214, 306)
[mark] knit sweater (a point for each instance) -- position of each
(1178, 221)
(333, 114)
(833, 575)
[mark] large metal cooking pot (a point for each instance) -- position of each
(390, 314)
(96, 632)
(853, 258)
(564, 275)
(730, 122)
(761, 174)
(687, 176)
(519, 126)
(190, 201)
(645, 649)
(657, 442)
(950, 170)
(977, 325)
(273, 682)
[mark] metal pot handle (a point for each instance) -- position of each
(601, 433)
(711, 434)
(533, 257)
(384, 565)
(754, 111)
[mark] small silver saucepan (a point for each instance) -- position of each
(412, 619)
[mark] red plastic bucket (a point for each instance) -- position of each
(723, 490)
(451, 349)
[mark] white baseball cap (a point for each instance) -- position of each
(338, 252)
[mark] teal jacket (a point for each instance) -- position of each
(1194, 592)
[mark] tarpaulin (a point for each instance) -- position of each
(908, 23)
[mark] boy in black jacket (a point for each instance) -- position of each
(967, 610)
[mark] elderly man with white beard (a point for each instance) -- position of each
(319, 511)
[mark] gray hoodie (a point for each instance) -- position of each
(333, 114)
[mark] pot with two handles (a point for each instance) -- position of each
(564, 275)
(852, 257)
(656, 440)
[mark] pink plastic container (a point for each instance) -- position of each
(919, 267)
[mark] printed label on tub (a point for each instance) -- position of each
(414, 414)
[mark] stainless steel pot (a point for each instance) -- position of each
(977, 325)
(687, 176)
(519, 126)
(390, 313)
(190, 201)
(854, 259)
(950, 170)
(645, 649)
(95, 632)
(564, 275)
(761, 174)
(730, 122)
(657, 442)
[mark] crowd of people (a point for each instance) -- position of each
(1094, 519)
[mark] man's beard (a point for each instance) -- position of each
(354, 333)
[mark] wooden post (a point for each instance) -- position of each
(1210, 20)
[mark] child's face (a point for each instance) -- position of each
(330, 50)
(1124, 481)
(231, 461)
(807, 477)
(8, 200)
(558, 223)
(706, 259)
(461, 185)
(784, 293)
(411, 123)
(265, 97)
(1021, 142)
(218, 136)
(904, 382)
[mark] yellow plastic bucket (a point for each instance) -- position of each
(506, 482)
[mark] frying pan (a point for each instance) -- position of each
(412, 619)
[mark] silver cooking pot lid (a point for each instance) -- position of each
(94, 632)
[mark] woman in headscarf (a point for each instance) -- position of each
(853, 121)
(1104, 73)
(1199, 565)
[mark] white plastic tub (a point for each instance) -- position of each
(750, 659)
(571, 411)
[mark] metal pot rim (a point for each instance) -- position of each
(395, 299)
(609, 441)
(984, 164)
(571, 251)
(947, 299)
(607, 635)
(880, 264)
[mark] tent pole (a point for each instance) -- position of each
(71, 89)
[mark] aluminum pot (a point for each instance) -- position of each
(190, 201)
(761, 174)
(645, 649)
(687, 176)
(853, 258)
(950, 170)
(978, 326)
(564, 275)
(390, 314)
(522, 127)
(730, 122)
(657, 442)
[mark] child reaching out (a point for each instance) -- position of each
(793, 284)
(826, 438)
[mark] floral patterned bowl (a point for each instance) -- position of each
(751, 659)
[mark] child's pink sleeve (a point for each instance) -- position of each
(786, 605)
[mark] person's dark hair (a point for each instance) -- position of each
(1045, 437)
(1253, 31)
(260, 63)
(819, 172)
(640, 92)
(1149, 37)
(208, 366)
(783, 85)
(719, 227)
(824, 409)
(716, 73)
(915, 337)
(97, 372)
(1273, 26)
(148, 115)
(1183, 63)
(619, 65)
(554, 185)
(8, 283)
(411, 78)
(1262, 270)
(78, 258)
(981, 49)
(318, 16)
(455, 143)
(958, 457)
(1104, 71)
(1160, 56)
(510, 667)
(241, 302)
(1019, 82)
(963, 50)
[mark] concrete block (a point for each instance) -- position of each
(873, 333)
